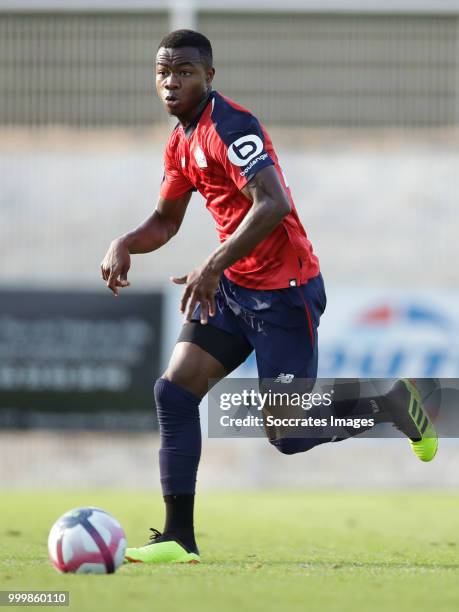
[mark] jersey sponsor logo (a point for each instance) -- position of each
(200, 157)
(285, 378)
(252, 164)
(244, 149)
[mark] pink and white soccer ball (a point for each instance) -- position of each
(86, 541)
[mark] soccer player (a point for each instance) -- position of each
(261, 290)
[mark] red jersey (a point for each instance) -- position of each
(217, 155)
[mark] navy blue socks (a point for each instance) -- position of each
(179, 520)
(352, 400)
(180, 430)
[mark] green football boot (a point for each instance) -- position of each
(410, 417)
(161, 549)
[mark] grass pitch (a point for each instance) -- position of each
(266, 551)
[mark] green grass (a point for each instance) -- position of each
(267, 551)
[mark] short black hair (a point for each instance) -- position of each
(189, 38)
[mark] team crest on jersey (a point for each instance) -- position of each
(200, 157)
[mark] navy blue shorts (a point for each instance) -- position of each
(279, 325)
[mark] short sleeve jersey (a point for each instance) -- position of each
(217, 155)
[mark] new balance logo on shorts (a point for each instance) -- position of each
(285, 378)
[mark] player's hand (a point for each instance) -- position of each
(115, 266)
(201, 285)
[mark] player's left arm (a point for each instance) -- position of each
(270, 204)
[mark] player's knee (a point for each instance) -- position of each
(183, 380)
(291, 446)
(166, 389)
(285, 446)
(174, 404)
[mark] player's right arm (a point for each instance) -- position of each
(157, 229)
(150, 235)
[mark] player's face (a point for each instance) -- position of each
(182, 81)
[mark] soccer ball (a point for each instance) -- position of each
(86, 541)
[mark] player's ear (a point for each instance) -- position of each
(210, 73)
